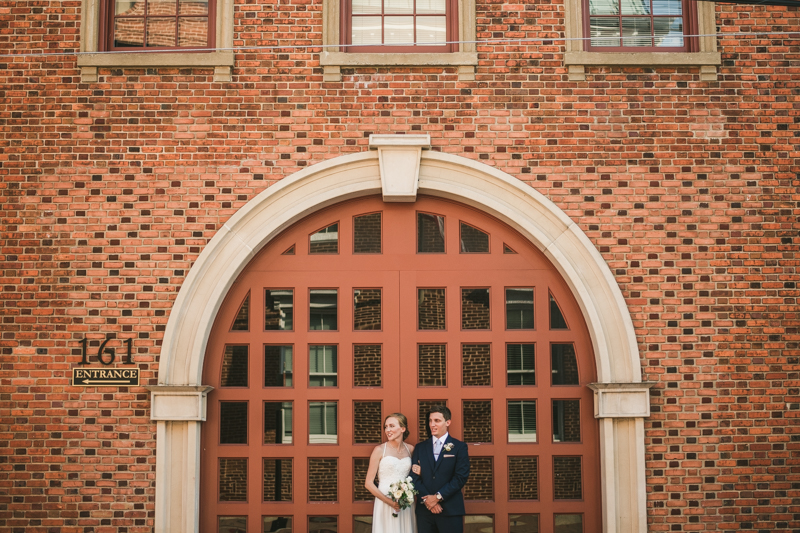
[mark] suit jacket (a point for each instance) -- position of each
(447, 476)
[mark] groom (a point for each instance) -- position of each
(444, 464)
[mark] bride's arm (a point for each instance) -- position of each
(372, 471)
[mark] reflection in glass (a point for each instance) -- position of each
(277, 422)
(233, 423)
(366, 30)
(567, 478)
(431, 7)
(278, 309)
(129, 32)
(556, 317)
(432, 365)
(604, 31)
(432, 31)
(480, 485)
(603, 7)
(325, 241)
(278, 365)
(128, 7)
(360, 468)
(242, 320)
(322, 366)
(431, 308)
(323, 309)
(274, 524)
(478, 523)
(476, 364)
(521, 364)
(667, 7)
(568, 523)
(193, 7)
(523, 523)
(637, 31)
(477, 421)
(566, 420)
(430, 233)
(366, 7)
(398, 30)
(367, 233)
(235, 367)
(232, 480)
(473, 240)
(322, 422)
(507, 249)
(362, 524)
(232, 524)
(366, 309)
(668, 31)
(521, 421)
(367, 365)
(289, 251)
(160, 31)
(564, 369)
(322, 524)
(277, 480)
(422, 417)
(193, 32)
(161, 7)
(367, 422)
(474, 308)
(394, 7)
(519, 308)
(523, 478)
(635, 7)
(323, 478)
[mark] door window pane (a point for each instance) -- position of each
(366, 309)
(519, 308)
(523, 478)
(564, 369)
(367, 365)
(478, 523)
(522, 421)
(322, 417)
(322, 524)
(323, 309)
(325, 241)
(476, 364)
(232, 480)
(360, 492)
(242, 321)
(323, 479)
(277, 480)
(430, 305)
(278, 365)
(521, 364)
(567, 478)
(232, 524)
(233, 423)
(566, 420)
(432, 365)
(277, 422)
(474, 308)
(362, 524)
(568, 523)
(271, 524)
(523, 523)
(477, 421)
(422, 412)
(556, 317)
(367, 231)
(367, 422)
(279, 309)
(480, 485)
(322, 366)
(430, 233)
(473, 240)
(235, 367)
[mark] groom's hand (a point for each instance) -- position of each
(437, 509)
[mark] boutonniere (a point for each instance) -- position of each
(448, 447)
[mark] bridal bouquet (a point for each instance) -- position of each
(402, 492)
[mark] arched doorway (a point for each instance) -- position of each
(365, 308)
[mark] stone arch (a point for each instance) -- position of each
(398, 169)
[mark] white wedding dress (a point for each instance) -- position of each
(392, 469)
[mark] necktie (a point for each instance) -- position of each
(437, 448)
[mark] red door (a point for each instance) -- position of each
(367, 308)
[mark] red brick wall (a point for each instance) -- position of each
(688, 189)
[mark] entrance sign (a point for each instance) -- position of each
(88, 377)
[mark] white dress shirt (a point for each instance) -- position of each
(441, 445)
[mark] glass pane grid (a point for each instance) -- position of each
(233, 423)
(521, 364)
(367, 232)
(367, 422)
(277, 422)
(323, 309)
(232, 479)
(367, 365)
(522, 421)
(636, 23)
(323, 479)
(431, 309)
(279, 309)
(325, 241)
(278, 362)
(476, 364)
(523, 478)
(323, 363)
(277, 480)
(366, 309)
(475, 309)
(480, 485)
(235, 367)
(477, 421)
(432, 365)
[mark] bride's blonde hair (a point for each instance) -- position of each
(402, 420)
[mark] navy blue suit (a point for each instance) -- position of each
(447, 476)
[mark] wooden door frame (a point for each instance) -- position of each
(621, 399)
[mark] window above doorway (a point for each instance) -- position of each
(156, 33)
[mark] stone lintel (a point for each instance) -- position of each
(399, 157)
(621, 400)
(178, 402)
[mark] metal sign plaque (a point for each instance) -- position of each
(114, 377)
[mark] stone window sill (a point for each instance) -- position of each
(332, 62)
(707, 61)
(221, 62)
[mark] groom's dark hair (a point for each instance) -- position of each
(442, 410)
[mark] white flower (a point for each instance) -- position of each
(408, 480)
(398, 494)
(409, 495)
(448, 447)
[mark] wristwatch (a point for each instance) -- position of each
(439, 496)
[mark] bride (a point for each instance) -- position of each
(392, 462)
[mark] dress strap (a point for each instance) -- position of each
(384, 450)
(406, 447)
